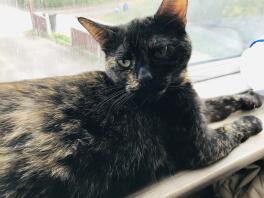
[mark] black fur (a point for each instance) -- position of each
(108, 134)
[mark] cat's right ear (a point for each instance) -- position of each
(174, 8)
(101, 33)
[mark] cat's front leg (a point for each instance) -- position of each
(219, 108)
(213, 145)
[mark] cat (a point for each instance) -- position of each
(109, 133)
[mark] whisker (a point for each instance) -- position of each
(113, 105)
(124, 101)
(119, 102)
(111, 97)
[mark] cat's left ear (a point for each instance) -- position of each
(174, 8)
(101, 33)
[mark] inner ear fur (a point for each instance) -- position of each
(101, 33)
(174, 8)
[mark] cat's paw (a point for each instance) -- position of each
(248, 125)
(250, 100)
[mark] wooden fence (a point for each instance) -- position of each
(86, 41)
(39, 24)
(79, 38)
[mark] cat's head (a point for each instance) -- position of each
(146, 55)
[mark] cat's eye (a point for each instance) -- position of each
(161, 52)
(124, 63)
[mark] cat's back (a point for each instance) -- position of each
(43, 123)
(25, 102)
(42, 87)
(35, 116)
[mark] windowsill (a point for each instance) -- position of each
(229, 84)
(186, 182)
(214, 69)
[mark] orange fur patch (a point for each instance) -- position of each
(174, 7)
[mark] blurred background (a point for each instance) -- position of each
(41, 38)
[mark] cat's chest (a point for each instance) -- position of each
(133, 121)
(130, 121)
(149, 132)
(126, 120)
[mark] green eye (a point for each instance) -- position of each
(124, 63)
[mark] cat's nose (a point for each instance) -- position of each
(144, 75)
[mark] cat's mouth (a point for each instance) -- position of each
(147, 95)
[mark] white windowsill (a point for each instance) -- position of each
(186, 182)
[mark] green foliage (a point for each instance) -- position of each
(205, 10)
(136, 9)
(58, 3)
(51, 3)
(61, 39)
(57, 37)
(244, 8)
(21, 3)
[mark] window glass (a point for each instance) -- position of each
(40, 38)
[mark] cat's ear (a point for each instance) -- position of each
(174, 8)
(101, 33)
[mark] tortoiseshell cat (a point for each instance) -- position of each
(108, 134)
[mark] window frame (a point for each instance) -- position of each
(217, 68)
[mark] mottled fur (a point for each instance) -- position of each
(108, 134)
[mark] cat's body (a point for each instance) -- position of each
(54, 143)
(52, 128)
(92, 135)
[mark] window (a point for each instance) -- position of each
(218, 29)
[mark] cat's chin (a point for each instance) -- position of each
(146, 97)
